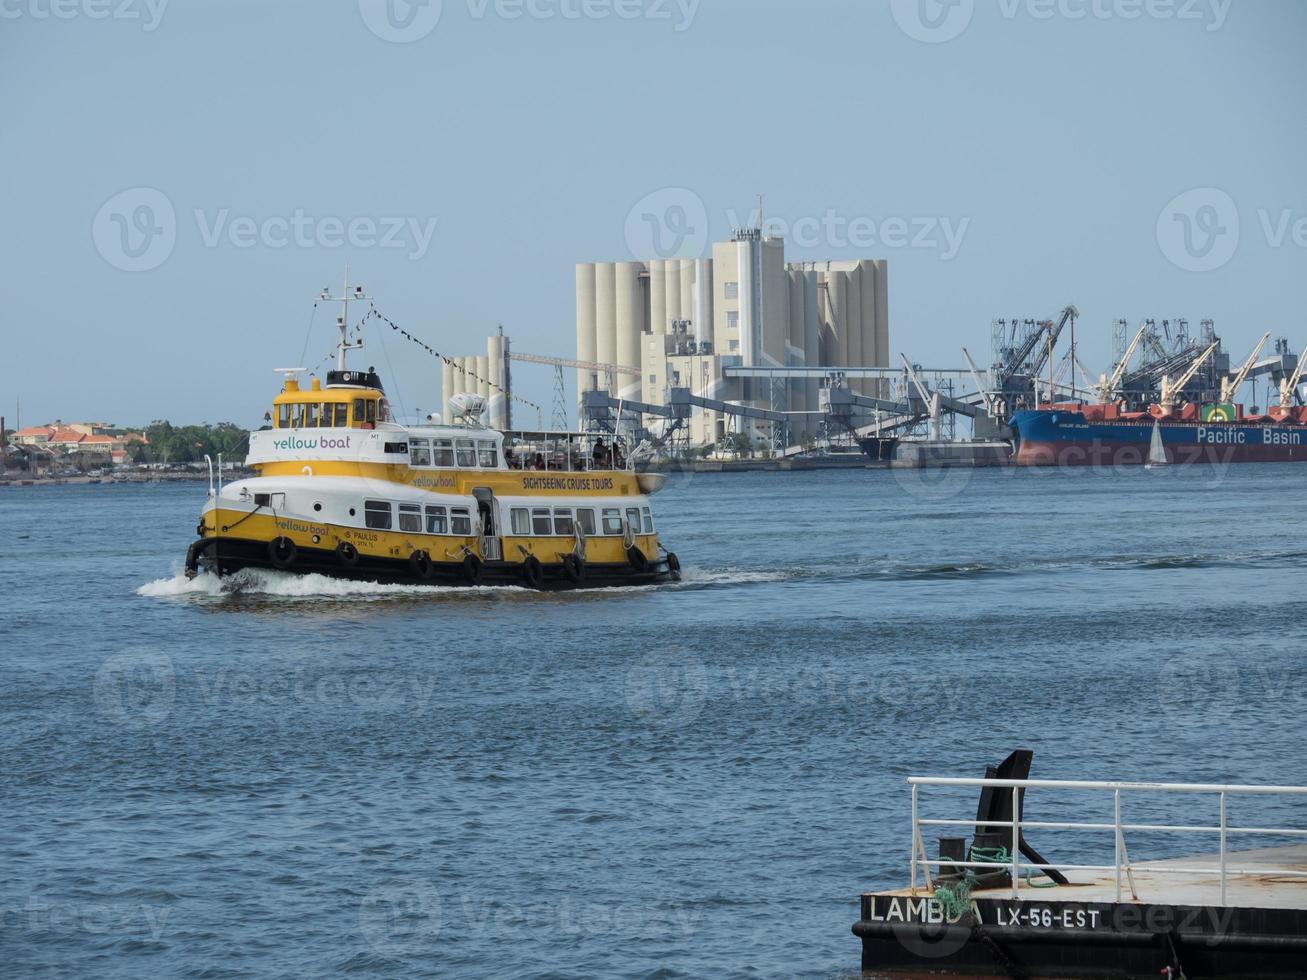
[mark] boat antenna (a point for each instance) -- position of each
(342, 321)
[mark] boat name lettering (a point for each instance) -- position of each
(566, 483)
(298, 526)
(360, 535)
(1221, 436)
(1280, 437)
(425, 482)
(324, 442)
(1035, 915)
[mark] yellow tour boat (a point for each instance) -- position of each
(344, 490)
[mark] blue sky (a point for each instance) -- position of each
(1055, 138)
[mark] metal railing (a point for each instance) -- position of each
(1121, 866)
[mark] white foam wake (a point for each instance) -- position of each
(264, 582)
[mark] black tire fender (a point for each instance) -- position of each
(347, 554)
(574, 569)
(674, 566)
(533, 573)
(282, 552)
(637, 559)
(420, 564)
(472, 569)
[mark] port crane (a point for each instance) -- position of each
(1170, 389)
(1289, 386)
(1020, 365)
(1230, 387)
(1108, 386)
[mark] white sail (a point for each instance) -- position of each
(1156, 451)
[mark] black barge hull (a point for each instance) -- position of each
(1081, 939)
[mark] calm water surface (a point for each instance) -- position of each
(282, 777)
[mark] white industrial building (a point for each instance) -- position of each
(682, 321)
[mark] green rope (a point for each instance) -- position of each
(955, 899)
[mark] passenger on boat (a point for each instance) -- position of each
(600, 454)
(540, 461)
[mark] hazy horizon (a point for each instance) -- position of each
(1138, 158)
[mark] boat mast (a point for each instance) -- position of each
(342, 321)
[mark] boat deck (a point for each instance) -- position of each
(1251, 882)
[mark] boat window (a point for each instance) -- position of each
(585, 518)
(376, 514)
(540, 521)
(436, 520)
(563, 521)
(283, 416)
(521, 520)
(487, 455)
(410, 517)
(612, 520)
(633, 518)
(371, 406)
(442, 452)
(419, 452)
(647, 514)
(460, 521)
(383, 410)
(341, 412)
(358, 411)
(398, 448)
(464, 454)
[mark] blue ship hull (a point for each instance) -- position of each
(1067, 438)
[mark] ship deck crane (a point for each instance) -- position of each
(1230, 388)
(1289, 386)
(1171, 389)
(1106, 385)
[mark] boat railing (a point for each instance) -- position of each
(1122, 867)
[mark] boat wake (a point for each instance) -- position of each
(268, 584)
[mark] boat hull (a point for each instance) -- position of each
(230, 555)
(1062, 438)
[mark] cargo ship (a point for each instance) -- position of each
(1103, 435)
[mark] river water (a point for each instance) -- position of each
(271, 776)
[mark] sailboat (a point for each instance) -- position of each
(1156, 451)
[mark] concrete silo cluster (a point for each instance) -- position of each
(486, 375)
(680, 322)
